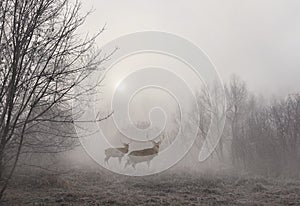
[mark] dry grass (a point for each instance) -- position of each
(103, 188)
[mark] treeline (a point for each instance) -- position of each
(260, 137)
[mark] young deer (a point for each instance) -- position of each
(145, 155)
(116, 152)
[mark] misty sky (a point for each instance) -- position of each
(257, 40)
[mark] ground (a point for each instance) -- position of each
(103, 188)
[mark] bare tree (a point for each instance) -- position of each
(236, 98)
(41, 61)
(285, 122)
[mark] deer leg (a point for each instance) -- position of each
(106, 159)
(148, 163)
(127, 163)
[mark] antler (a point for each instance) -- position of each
(125, 143)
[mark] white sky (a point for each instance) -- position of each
(257, 40)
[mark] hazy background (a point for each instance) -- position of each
(257, 40)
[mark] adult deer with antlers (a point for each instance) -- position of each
(116, 152)
(144, 155)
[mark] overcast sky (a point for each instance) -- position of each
(257, 40)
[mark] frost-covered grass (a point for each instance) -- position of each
(103, 188)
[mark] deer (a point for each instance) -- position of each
(144, 155)
(116, 152)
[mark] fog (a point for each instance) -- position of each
(174, 103)
(257, 40)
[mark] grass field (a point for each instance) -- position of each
(103, 188)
